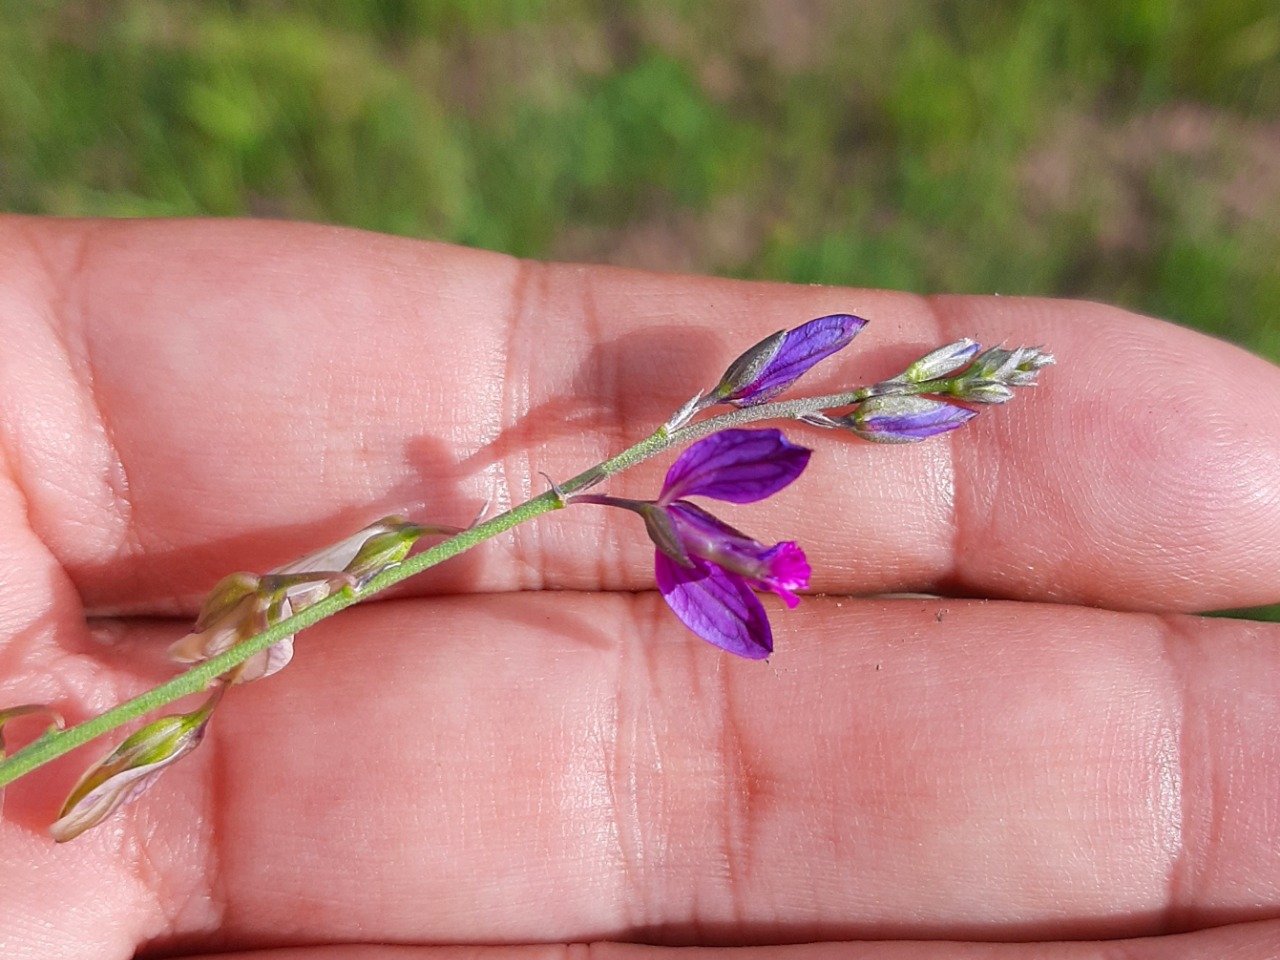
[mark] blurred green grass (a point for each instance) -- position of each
(1122, 152)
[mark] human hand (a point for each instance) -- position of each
(524, 746)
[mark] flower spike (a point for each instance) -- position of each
(709, 573)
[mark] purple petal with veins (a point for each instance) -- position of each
(740, 466)
(800, 350)
(713, 595)
(716, 605)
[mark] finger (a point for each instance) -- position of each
(199, 397)
(576, 767)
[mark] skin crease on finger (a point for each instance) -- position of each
(1258, 941)
(1038, 771)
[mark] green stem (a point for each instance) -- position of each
(55, 743)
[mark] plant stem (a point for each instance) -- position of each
(55, 743)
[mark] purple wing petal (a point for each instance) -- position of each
(717, 606)
(801, 348)
(741, 466)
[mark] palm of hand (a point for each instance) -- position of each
(485, 760)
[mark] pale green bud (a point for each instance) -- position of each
(941, 362)
(995, 373)
(131, 768)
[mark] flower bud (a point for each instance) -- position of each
(274, 598)
(747, 369)
(368, 552)
(131, 768)
(983, 391)
(941, 362)
(995, 373)
(905, 419)
(243, 605)
(229, 593)
(778, 361)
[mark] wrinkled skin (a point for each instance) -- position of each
(479, 760)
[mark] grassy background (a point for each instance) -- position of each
(1127, 152)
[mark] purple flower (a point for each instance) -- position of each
(905, 419)
(711, 591)
(776, 362)
(706, 570)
